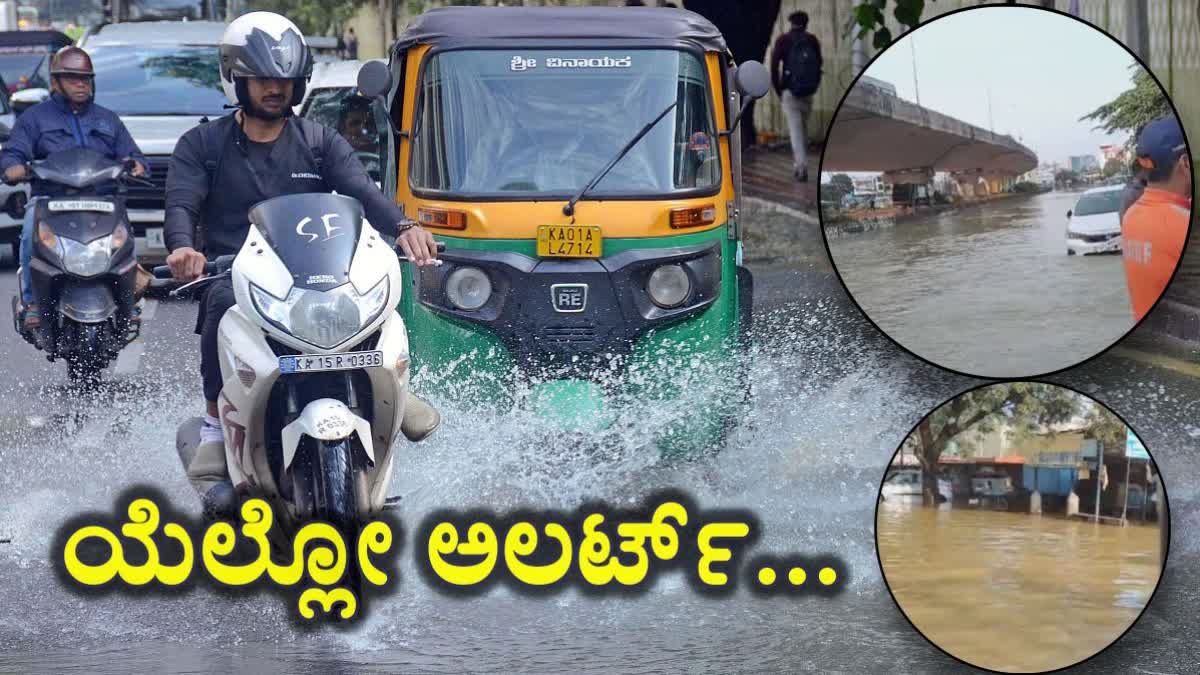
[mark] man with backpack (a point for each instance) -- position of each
(796, 73)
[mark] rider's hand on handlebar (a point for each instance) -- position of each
(16, 173)
(418, 245)
(134, 167)
(186, 263)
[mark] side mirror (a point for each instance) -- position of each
(1070, 212)
(15, 206)
(752, 79)
(753, 82)
(27, 98)
(374, 79)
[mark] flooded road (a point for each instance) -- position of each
(833, 400)
(1014, 592)
(988, 290)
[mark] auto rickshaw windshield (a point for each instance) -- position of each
(542, 122)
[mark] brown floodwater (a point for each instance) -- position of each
(1013, 592)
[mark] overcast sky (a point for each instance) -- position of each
(1045, 71)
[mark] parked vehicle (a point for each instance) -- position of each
(1094, 224)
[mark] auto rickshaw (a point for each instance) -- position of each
(581, 168)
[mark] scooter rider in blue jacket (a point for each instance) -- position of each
(68, 119)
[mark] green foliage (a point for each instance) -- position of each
(839, 186)
(1025, 186)
(1025, 406)
(869, 18)
(1066, 176)
(1144, 102)
(313, 18)
(1107, 428)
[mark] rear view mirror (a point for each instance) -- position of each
(1070, 212)
(752, 79)
(753, 82)
(374, 79)
(15, 205)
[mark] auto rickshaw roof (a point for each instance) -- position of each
(35, 38)
(655, 26)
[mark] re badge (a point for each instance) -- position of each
(569, 298)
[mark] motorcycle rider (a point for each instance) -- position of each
(69, 118)
(220, 169)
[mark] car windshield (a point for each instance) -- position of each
(542, 123)
(158, 80)
(1108, 201)
(24, 67)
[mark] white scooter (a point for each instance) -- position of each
(314, 361)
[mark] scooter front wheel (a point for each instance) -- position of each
(324, 477)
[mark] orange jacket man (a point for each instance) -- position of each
(1155, 228)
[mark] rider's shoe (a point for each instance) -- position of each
(420, 419)
(220, 502)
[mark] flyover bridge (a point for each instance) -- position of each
(875, 130)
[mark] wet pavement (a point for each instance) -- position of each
(833, 399)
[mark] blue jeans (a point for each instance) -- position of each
(26, 253)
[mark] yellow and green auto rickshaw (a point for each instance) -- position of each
(581, 168)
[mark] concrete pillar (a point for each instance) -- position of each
(1035, 502)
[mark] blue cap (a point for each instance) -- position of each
(1161, 143)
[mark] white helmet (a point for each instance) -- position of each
(263, 44)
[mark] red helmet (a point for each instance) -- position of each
(72, 61)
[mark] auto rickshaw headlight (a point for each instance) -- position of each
(468, 288)
(669, 286)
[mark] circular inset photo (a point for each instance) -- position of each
(1022, 527)
(1002, 211)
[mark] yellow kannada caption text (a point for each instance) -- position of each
(319, 558)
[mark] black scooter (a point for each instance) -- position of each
(83, 266)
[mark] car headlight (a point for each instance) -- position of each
(322, 318)
(86, 260)
(468, 288)
(669, 286)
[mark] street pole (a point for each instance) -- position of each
(912, 43)
(1125, 506)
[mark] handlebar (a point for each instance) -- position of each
(441, 248)
(218, 266)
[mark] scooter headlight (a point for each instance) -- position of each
(86, 260)
(669, 286)
(322, 318)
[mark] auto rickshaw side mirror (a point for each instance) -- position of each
(752, 79)
(1070, 212)
(27, 98)
(374, 79)
(753, 82)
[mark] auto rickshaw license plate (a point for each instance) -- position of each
(569, 241)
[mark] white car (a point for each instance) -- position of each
(1094, 225)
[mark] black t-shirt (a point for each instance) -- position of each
(217, 174)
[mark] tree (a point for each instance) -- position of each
(868, 18)
(313, 18)
(844, 181)
(1066, 177)
(1113, 167)
(1024, 405)
(1133, 107)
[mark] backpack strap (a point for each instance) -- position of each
(214, 152)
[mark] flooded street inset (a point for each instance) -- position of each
(1014, 592)
(988, 290)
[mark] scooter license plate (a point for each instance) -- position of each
(311, 363)
(81, 205)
